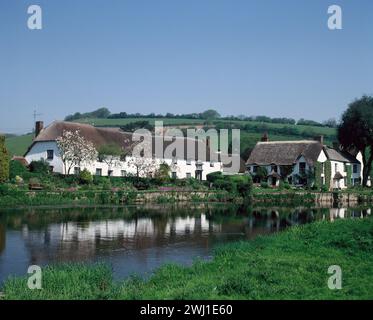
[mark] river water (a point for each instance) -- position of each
(138, 239)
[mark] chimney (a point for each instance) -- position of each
(320, 139)
(39, 125)
(265, 137)
(336, 145)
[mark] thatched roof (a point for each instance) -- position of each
(284, 153)
(340, 156)
(102, 136)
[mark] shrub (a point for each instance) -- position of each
(212, 177)
(17, 169)
(40, 166)
(85, 177)
(264, 184)
(324, 188)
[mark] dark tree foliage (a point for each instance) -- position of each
(356, 131)
(4, 161)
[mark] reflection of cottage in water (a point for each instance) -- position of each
(76, 241)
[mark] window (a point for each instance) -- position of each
(274, 168)
(302, 167)
(174, 160)
(174, 175)
(323, 168)
(354, 168)
(50, 154)
(123, 173)
(212, 164)
(345, 167)
(98, 172)
(335, 167)
(110, 173)
(76, 170)
(188, 175)
(255, 169)
(189, 162)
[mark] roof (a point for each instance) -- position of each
(21, 160)
(341, 156)
(100, 136)
(284, 152)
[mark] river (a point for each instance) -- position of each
(138, 239)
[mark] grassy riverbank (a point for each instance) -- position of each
(289, 265)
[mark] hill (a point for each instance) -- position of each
(251, 131)
(18, 145)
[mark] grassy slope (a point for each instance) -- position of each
(18, 145)
(289, 265)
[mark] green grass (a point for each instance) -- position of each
(18, 145)
(288, 265)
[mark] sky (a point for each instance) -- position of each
(274, 58)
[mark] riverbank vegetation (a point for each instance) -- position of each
(289, 265)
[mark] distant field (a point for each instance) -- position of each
(248, 138)
(168, 121)
(18, 145)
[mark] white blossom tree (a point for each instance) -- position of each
(75, 150)
(142, 160)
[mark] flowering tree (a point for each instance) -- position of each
(142, 159)
(75, 149)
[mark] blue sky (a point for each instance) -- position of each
(275, 58)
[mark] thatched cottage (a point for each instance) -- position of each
(303, 162)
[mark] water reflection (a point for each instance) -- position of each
(139, 239)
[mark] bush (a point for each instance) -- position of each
(85, 177)
(324, 188)
(41, 166)
(17, 169)
(212, 177)
(264, 184)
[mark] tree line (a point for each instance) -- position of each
(210, 114)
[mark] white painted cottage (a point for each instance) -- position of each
(44, 146)
(295, 160)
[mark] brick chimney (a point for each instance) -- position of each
(320, 139)
(265, 137)
(39, 125)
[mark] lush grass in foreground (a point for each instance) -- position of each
(289, 265)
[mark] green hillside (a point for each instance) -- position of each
(251, 131)
(18, 145)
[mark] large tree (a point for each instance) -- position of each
(356, 131)
(4, 161)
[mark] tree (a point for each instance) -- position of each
(75, 150)
(210, 114)
(4, 161)
(356, 131)
(163, 172)
(110, 154)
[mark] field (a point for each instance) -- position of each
(18, 145)
(251, 133)
(292, 264)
